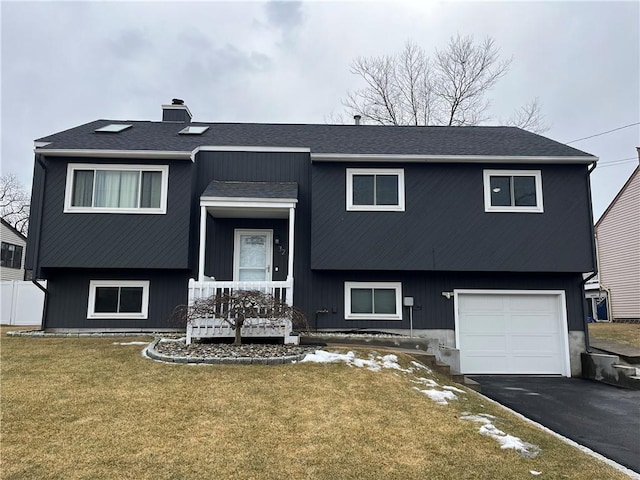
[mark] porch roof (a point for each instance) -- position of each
(249, 199)
(255, 190)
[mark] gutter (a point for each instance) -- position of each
(587, 343)
(36, 259)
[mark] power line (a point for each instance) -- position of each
(603, 133)
(615, 164)
(618, 160)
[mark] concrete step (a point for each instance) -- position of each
(608, 369)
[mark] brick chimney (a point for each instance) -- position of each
(176, 112)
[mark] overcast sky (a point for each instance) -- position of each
(68, 63)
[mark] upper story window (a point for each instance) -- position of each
(116, 188)
(11, 255)
(375, 189)
(513, 191)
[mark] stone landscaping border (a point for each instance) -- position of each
(154, 354)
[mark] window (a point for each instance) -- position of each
(116, 188)
(378, 189)
(11, 255)
(118, 299)
(194, 130)
(513, 191)
(113, 128)
(373, 300)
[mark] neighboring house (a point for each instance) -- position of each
(618, 246)
(486, 230)
(13, 253)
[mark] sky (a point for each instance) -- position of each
(64, 64)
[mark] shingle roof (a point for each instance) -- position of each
(288, 190)
(344, 139)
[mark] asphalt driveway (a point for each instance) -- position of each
(603, 418)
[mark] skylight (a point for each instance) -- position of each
(113, 128)
(194, 130)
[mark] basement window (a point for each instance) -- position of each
(194, 130)
(113, 128)
(373, 300)
(128, 299)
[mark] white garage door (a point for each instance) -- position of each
(512, 332)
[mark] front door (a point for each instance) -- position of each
(252, 255)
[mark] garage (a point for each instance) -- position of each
(512, 332)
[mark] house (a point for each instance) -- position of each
(618, 246)
(13, 252)
(475, 236)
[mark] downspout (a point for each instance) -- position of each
(587, 343)
(36, 257)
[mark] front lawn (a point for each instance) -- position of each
(95, 408)
(626, 333)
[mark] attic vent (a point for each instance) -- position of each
(194, 130)
(113, 128)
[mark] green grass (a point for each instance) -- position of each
(88, 409)
(625, 333)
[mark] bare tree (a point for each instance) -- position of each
(410, 88)
(237, 306)
(529, 117)
(14, 203)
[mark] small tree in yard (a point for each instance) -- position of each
(236, 307)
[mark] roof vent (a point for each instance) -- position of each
(356, 119)
(176, 112)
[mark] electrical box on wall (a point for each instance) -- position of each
(407, 301)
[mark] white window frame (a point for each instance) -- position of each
(68, 195)
(94, 284)
(399, 172)
(537, 174)
(397, 286)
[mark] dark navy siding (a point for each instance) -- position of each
(107, 240)
(220, 235)
(432, 310)
(69, 295)
(445, 227)
(35, 217)
(261, 167)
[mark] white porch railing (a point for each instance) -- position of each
(216, 327)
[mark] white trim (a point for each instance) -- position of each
(93, 284)
(137, 154)
(68, 193)
(564, 322)
(397, 286)
(399, 172)
(237, 232)
(249, 148)
(292, 229)
(37, 144)
(238, 202)
(486, 179)
(203, 243)
(410, 158)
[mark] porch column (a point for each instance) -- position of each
(292, 222)
(203, 242)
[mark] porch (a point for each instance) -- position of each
(247, 235)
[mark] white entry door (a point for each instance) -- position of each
(252, 255)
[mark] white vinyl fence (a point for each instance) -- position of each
(22, 303)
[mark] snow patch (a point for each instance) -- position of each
(427, 382)
(533, 472)
(131, 343)
(453, 389)
(419, 366)
(438, 396)
(374, 363)
(505, 440)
